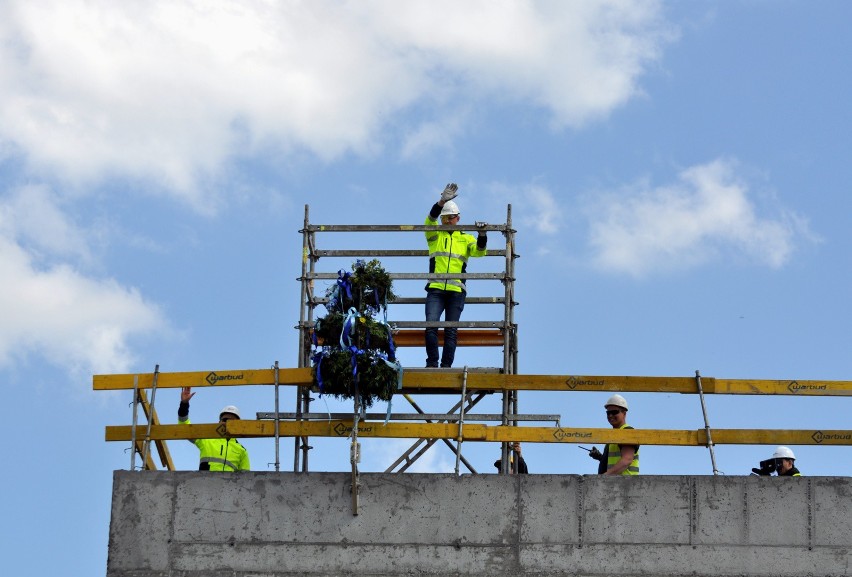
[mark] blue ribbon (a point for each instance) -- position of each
(354, 352)
(333, 294)
(384, 321)
(344, 283)
(396, 366)
(346, 332)
(343, 286)
(316, 359)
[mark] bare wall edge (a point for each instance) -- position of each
(269, 524)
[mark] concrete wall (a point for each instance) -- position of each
(265, 524)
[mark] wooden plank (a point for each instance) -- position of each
(149, 464)
(151, 415)
(782, 387)
(781, 437)
(684, 385)
(465, 338)
(338, 428)
(486, 433)
(452, 379)
(486, 381)
(204, 379)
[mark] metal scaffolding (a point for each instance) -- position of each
(499, 332)
(468, 385)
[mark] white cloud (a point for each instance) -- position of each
(383, 453)
(707, 214)
(172, 91)
(54, 311)
(534, 206)
(432, 135)
(542, 213)
(33, 214)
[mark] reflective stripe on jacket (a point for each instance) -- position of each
(220, 454)
(613, 452)
(448, 254)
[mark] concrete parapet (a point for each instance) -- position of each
(263, 524)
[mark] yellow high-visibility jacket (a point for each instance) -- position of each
(220, 454)
(449, 253)
(613, 451)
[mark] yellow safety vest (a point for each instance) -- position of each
(614, 456)
(220, 454)
(448, 254)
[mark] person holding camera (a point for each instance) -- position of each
(782, 462)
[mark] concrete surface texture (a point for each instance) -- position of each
(273, 524)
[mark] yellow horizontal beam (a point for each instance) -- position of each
(479, 432)
(781, 437)
(203, 379)
(769, 387)
(251, 429)
(710, 385)
(492, 382)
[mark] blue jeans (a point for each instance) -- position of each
(451, 303)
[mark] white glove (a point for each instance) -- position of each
(450, 192)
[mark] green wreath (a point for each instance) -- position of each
(354, 354)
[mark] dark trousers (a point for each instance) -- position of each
(451, 303)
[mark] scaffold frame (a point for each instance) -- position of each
(484, 333)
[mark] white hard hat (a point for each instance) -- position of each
(230, 409)
(618, 401)
(783, 453)
(450, 207)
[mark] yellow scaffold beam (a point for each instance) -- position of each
(479, 432)
(452, 380)
(203, 379)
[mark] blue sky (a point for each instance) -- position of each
(679, 175)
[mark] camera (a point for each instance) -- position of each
(767, 467)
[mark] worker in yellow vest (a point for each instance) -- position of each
(449, 252)
(222, 454)
(617, 459)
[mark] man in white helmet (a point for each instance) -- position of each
(222, 454)
(782, 462)
(449, 252)
(617, 459)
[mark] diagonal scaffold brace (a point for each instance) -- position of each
(706, 422)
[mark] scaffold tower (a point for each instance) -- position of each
(480, 332)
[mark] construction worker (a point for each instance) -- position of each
(448, 253)
(521, 469)
(782, 462)
(617, 459)
(222, 454)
